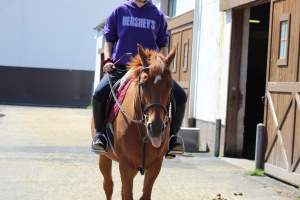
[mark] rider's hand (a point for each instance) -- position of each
(108, 67)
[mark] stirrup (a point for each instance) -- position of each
(177, 149)
(99, 149)
(170, 156)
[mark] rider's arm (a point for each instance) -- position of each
(108, 46)
(163, 36)
(111, 37)
(108, 66)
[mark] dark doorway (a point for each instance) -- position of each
(256, 75)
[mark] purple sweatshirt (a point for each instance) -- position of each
(129, 25)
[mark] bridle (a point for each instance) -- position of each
(144, 109)
(145, 116)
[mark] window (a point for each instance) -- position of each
(283, 39)
(179, 7)
(172, 8)
(174, 66)
(284, 36)
(185, 55)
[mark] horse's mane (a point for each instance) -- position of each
(157, 65)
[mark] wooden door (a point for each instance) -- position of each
(175, 42)
(282, 110)
(181, 66)
(181, 28)
(186, 59)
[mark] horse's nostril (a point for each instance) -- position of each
(150, 126)
(155, 129)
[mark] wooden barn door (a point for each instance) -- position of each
(181, 28)
(181, 67)
(282, 109)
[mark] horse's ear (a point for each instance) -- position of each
(142, 53)
(170, 57)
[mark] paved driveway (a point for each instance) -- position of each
(44, 155)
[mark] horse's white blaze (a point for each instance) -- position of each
(157, 78)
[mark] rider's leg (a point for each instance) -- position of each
(176, 146)
(99, 143)
(99, 103)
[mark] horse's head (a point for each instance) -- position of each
(155, 85)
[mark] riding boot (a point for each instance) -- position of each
(99, 143)
(175, 143)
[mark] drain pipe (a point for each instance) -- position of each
(217, 137)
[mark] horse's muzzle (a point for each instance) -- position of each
(155, 131)
(156, 142)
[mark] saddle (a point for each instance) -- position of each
(119, 88)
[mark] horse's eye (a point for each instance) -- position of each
(144, 77)
(143, 84)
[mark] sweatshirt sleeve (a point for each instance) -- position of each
(110, 28)
(163, 33)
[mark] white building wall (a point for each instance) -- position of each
(157, 3)
(183, 6)
(99, 44)
(51, 33)
(210, 62)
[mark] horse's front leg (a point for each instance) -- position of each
(150, 177)
(105, 165)
(127, 175)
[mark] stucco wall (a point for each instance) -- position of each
(183, 6)
(99, 44)
(210, 62)
(50, 33)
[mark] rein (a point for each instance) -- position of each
(138, 121)
(144, 119)
(143, 110)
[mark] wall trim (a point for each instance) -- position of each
(181, 20)
(231, 4)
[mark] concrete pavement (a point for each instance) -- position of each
(44, 155)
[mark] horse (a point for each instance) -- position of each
(142, 127)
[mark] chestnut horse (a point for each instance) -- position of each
(147, 98)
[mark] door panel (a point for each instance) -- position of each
(175, 42)
(282, 112)
(282, 9)
(181, 28)
(181, 66)
(186, 58)
(296, 155)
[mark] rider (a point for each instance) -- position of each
(134, 22)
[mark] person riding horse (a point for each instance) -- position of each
(134, 22)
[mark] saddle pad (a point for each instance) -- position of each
(121, 92)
